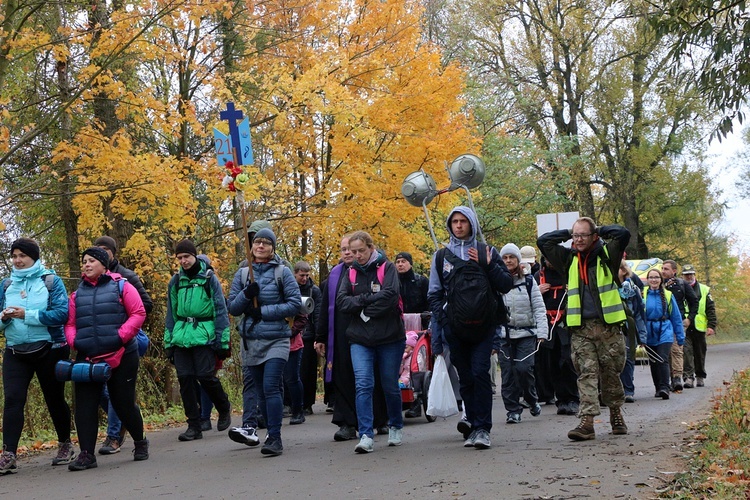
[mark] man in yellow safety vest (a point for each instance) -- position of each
(594, 316)
(694, 365)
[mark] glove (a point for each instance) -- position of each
(222, 354)
(254, 312)
(252, 290)
(169, 354)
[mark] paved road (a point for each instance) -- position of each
(533, 459)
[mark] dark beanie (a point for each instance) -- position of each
(99, 254)
(404, 255)
(266, 233)
(106, 241)
(186, 246)
(27, 246)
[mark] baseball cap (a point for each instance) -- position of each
(528, 254)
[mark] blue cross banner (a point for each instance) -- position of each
(238, 140)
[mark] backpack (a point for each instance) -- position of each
(381, 278)
(472, 305)
(206, 284)
(49, 282)
(141, 338)
(278, 274)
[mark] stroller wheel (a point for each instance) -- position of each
(425, 392)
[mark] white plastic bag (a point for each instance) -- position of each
(441, 402)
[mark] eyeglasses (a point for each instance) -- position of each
(261, 241)
(580, 236)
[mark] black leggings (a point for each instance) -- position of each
(121, 386)
(17, 375)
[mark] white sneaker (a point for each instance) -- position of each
(482, 440)
(244, 435)
(394, 436)
(365, 445)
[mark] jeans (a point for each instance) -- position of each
(387, 358)
(473, 364)
(114, 424)
(292, 380)
(249, 399)
(268, 377)
(627, 375)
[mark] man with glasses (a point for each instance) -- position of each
(594, 316)
(695, 336)
(688, 305)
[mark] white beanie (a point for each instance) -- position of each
(511, 249)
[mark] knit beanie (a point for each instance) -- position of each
(257, 225)
(106, 241)
(411, 338)
(27, 246)
(404, 255)
(99, 254)
(267, 234)
(186, 246)
(511, 249)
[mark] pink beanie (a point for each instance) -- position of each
(411, 338)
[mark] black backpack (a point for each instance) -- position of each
(473, 306)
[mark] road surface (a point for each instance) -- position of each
(533, 459)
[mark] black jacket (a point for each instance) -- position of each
(413, 288)
(311, 290)
(685, 295)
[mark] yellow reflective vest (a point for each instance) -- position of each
(609, 295)
(701, 320)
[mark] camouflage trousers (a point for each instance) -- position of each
(676, 359)
(598, 352)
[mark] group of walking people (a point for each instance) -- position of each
(563, 330)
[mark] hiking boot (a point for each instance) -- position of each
(205, 425)
(345, 433)
(297, 418)
(225, 420)
(618, 423)
(535, 410)
(65, 453)
(141, 450)
(699, 382)
(272, 447)
(416, 409)
(663, 394)
(84, 461)
(676, 384)
(110, 446)
(244, 435)
(8, 462)
(190, 435)
(365, 445)
(482, 440)
(584, 430)
(464, 427)
(470, 439)
(688, 384)
(513, 418)
(395, 436)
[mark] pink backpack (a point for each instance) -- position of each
(381, 278)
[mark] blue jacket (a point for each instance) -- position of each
(46, 312)
(274, 307)
(661, 327)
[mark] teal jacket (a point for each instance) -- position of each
(196, 311)
(46, 312)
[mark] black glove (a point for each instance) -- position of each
(169, 354)
(255, 313)
(222, 353)
(252, 290)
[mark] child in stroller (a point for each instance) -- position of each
(416, 371)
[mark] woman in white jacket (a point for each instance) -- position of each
(517, 339)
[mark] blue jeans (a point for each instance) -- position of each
(268, 384)
(387, 357)
(473, 364)
(249, 399)
(293, 381)
(114, 425)
(627, 375)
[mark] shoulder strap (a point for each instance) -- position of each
(207, 284)
(381, 273)
(6, 284)
(244, 275)
(278, 274)
(529, 284)
(352, 276)
(440, 263)
(121, 285)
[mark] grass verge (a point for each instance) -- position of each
(720, 465)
